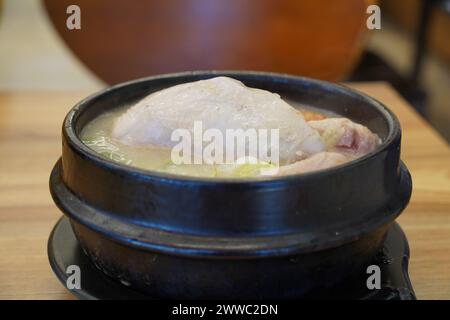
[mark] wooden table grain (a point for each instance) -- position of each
(30, 144)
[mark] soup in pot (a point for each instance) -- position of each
(221, 128)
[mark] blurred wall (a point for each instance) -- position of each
(32, 56)
(406, 14)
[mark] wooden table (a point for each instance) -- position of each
(30, 125)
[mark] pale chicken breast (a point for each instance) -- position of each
(221, 103)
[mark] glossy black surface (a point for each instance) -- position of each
(64, 250)
(287, 236)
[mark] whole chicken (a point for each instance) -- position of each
(219, 103)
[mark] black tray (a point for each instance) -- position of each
(393, 258)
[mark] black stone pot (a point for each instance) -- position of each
(276, 237)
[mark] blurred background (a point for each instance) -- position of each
(326, 39)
